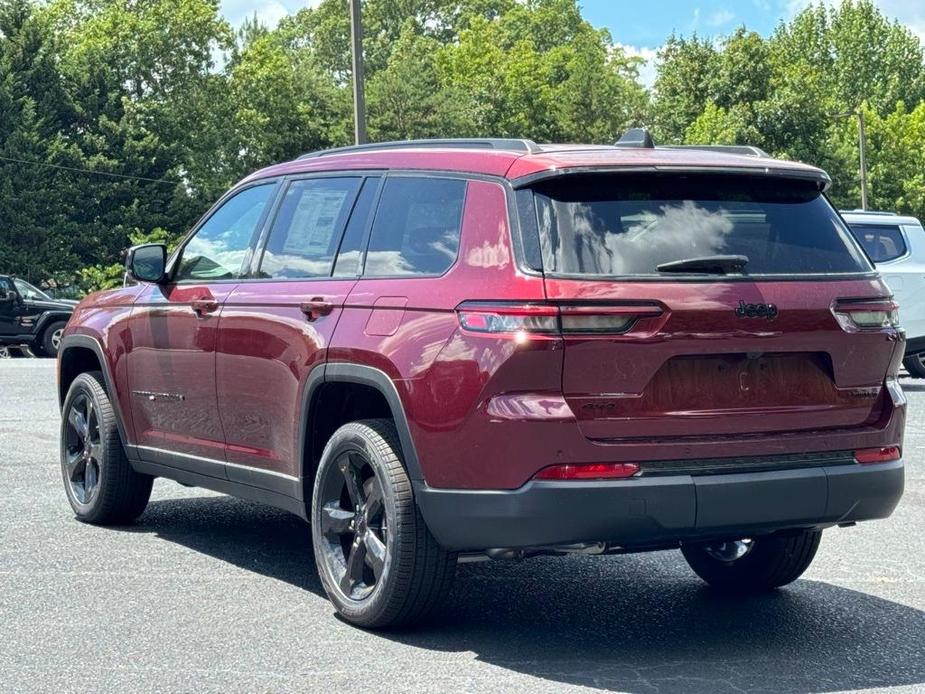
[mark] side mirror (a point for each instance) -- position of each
(147, 263)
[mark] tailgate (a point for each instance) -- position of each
(700, 367)
(704, 304)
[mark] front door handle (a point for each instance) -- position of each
(316, 307)
(203, 306)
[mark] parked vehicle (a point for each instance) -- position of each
(475, 349)
(896, 244)
(30, 318)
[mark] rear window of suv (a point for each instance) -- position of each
(628, 224)
(882, 242)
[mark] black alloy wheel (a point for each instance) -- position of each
(354, 525)
(101, 485)
(83, 449)
(376, 558)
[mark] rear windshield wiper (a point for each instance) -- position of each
(713, 264)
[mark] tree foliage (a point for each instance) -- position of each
(794, 94)
(122, 120)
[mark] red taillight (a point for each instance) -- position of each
(499, 318)
(594, 471)
(508, 318)
(878, 455)
(872, 314)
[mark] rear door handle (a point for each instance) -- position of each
(203, 306)
(316, 307)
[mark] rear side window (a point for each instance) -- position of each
(628, 225)
(882, 242)
(307, 228)
(417, 226)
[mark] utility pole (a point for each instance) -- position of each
(359, 102)
(862, 145)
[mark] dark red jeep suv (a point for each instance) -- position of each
(452, 350)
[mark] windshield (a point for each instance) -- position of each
(27, 291)
(628, 225)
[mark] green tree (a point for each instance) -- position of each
(683, 86)
(138, 75)
(858, 53)
(407, 99)
(34, 111)
(282, 105)
(541, 71)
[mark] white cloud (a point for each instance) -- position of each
(720, 18)
(647, 71)
(695, 21)
(268, 11)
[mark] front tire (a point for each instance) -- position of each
(915, 365)
(51, 338)
(759, 564)
(378, 562)
(101, 485)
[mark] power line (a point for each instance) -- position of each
(90, 172)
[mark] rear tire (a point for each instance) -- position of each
(101, 485)
(378, 562)
(915, 365)
(51, 338)
(768, 562)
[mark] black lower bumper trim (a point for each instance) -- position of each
(654, 510)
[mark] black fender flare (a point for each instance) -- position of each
(337, 372)
(87, 342)
(50, 317)
(46, 318)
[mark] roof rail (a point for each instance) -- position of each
(509, 144)
(745, 150)
(640, 137)
(879, 213)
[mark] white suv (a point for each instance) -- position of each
(896, 244)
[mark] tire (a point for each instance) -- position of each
(915, 364)
(51, 338)
(378, 562)
(769, 562)
(101, 485)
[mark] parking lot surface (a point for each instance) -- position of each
(208, 593)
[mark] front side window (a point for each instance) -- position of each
(628, 225)
(220, 246)
(882, 242)
(417, 226)
(307, 228)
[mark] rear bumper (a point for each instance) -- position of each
(649, 511)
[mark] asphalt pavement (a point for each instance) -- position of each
(208, 593)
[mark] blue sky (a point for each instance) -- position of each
(641, 27)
